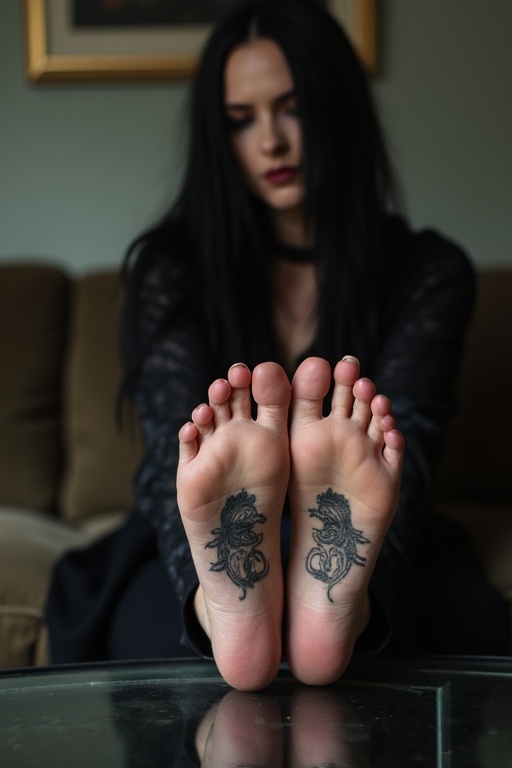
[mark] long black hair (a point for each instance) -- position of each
(224, 232)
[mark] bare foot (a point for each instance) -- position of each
(232, 479)
(326, 732)
(344, 485)
(241, 730)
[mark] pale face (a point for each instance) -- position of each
(266, 137)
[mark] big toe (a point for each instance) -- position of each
(271, 391)
(309, 388)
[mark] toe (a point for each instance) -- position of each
(188, 442)
(345, 376)
(364, 392)
(383, 431)
(218, 398)
(202, 417)
(309, 388)
(239, 376)
(394, 449)
(271, 391)
(382, 419)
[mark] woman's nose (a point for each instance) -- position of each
(272, 138)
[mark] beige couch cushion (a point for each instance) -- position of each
(33, 324)
(101, 459)
(30, 543)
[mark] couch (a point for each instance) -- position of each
(66, 469)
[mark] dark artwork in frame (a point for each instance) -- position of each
(148, 13)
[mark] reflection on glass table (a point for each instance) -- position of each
(384, 713)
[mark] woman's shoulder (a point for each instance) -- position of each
(429, 275)
(426, 253)
(158, 281)
(159, 261)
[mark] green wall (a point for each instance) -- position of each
(84, 168)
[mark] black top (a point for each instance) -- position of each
(427, 310)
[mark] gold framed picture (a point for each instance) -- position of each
(130, 40)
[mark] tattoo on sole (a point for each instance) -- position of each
(236, 542)
(336, 550)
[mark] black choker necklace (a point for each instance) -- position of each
(295, 254)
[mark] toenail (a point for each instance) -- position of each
(237, 365)
(350, 359)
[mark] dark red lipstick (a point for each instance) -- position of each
(283, 175)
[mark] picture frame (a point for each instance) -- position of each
(56, 52)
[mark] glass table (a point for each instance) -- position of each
(385, 712)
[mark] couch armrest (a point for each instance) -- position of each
(30, 543)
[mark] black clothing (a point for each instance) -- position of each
(429, 301)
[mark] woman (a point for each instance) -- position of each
(281, 247)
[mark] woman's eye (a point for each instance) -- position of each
(289, 107)
(238, 123)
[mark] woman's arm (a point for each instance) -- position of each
(174, 377)
(430, 308)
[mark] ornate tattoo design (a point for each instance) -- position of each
(236, 543)
(336, 552)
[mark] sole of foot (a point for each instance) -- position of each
(232, 480)
(344, 486)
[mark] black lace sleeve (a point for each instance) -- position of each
(174, 378)
(431, 299)
(431, 304)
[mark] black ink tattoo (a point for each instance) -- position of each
(336, 552)
(236, 543)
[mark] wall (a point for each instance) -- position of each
(446, 97)
(84, 168)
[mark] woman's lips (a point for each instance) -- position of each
(282, 175)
